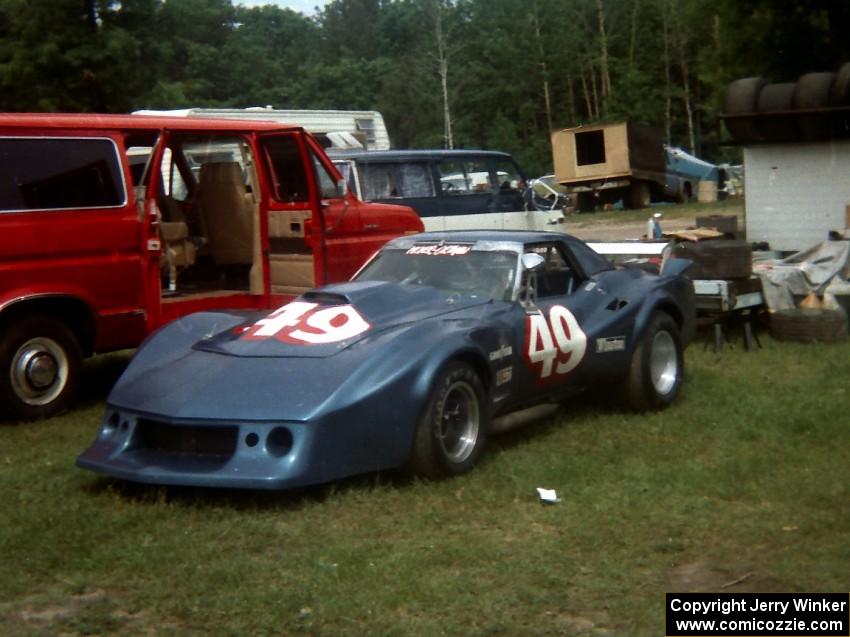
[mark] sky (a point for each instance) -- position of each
(307, 7)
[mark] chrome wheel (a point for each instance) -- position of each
(663, 363)
(39, 371)
(460, 421)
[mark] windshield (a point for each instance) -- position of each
(456, 269)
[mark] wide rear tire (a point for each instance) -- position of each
(451, 433)
(655, 373)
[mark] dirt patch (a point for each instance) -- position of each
(74, 605)
(697, 577)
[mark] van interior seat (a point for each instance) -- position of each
(226, 213)
(178, 250)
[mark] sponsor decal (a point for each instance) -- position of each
(504, 376)
(301, 323)
(440, 250)
(554, 345)
(610, 344)
(502, 352)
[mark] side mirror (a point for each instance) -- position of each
(531, 261)
(342, 187)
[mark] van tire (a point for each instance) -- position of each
(40, 366)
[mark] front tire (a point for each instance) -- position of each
(451, 433)
(40, 363)
(655, 373)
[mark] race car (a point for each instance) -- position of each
(439, 341)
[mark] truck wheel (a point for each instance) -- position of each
(41, 363)
(451, 433)
(585, 202)
(655, 373)
(638, 196)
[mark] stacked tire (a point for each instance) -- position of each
(790, 111)
(806, 325)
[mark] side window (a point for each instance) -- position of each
(557, 278)
(464, 177)
(327, 184)
(414, 180)
(507, 175)
(56, 173)
(378, 181)
(289, 179)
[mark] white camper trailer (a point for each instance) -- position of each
(333, 129)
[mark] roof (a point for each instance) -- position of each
(379, 156)
(99, 121)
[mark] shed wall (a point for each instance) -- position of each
(796, 193)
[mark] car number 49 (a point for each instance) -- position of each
(301, 323)
(555, 344)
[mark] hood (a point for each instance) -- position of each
(326, 321)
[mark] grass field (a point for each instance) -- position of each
(744, 484)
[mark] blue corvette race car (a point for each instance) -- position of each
(440, 340)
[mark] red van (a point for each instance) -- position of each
(112, 225)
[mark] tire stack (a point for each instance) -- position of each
(808, 325)
(816, 106)
(728, 259)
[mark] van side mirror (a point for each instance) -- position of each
(342, 187)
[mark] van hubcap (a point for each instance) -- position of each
(39, 371)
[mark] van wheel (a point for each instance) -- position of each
(40, 359)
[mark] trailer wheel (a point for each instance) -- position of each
(638, 196)
(40, 364)
(805, 325)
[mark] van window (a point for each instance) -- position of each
(397, 180)
(289, 179)
(464, 177)
(55, 173)
(507, 175)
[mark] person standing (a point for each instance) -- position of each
(653, 227)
